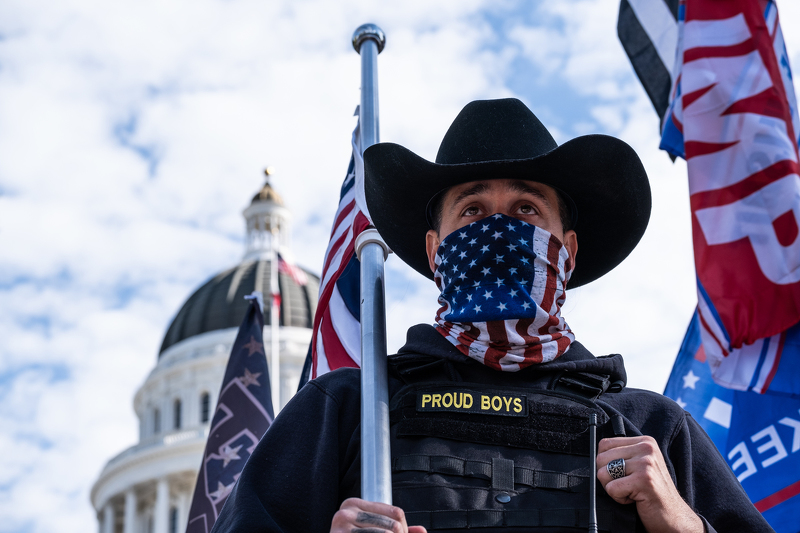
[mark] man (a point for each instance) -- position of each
(490, 407)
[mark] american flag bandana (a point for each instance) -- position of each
(503, 283)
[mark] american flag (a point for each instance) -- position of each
(733, 116)
(336, 340)
(243, 414)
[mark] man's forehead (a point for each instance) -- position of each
(464, 191)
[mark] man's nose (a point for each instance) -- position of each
(504, 210)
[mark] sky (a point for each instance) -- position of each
(133, 134)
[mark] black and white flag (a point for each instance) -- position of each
(648, 31)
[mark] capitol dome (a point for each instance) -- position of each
(220, 304)
(147, 488)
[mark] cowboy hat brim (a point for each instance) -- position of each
(602, 175)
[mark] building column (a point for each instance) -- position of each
(130, 512)
(184, 501)
(191, 408)
(108, 519)
(161, 509)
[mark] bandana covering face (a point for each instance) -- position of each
(503, 283)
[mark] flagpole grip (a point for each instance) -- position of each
(371, 236)
(376, 480)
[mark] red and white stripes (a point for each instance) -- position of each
(336, 340)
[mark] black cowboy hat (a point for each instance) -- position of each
(494, 139)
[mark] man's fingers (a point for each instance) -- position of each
(375, 522)
(620, 490)
(643, 464)
(626, 448)
(360, 516)
(619, 442)
(645, 474)
(626, 453)
(371, 519)
(604, 477)
(633, 465)
(373, 507)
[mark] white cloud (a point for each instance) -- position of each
(132, 134)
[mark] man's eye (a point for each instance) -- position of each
(527, 209)
(471, 211)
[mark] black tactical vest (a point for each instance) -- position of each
(500, 459)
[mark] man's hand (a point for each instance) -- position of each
(359, 516)
(646, 483)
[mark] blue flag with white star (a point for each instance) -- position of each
(243, 414)
(757, 434)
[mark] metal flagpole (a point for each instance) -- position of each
(274, 319)
(376, 483)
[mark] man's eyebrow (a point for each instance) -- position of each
(478, 188)
(521, 186)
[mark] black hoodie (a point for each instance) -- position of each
(308, 462)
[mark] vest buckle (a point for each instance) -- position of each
(584, 384)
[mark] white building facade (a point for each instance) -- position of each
(148, 487)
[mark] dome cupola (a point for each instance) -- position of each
(267, 221)
(219, 303)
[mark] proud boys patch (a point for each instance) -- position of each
(460, 400)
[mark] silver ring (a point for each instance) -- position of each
(616, 468)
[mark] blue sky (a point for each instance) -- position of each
(132, 135)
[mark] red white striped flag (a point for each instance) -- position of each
(336, 340)
(733, 117)
(292, 270)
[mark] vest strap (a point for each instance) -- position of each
(467, 518)
(502, 473)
